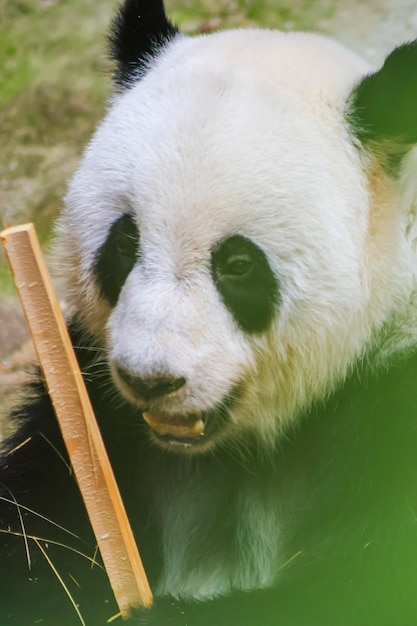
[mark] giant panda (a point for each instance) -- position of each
(238, 253)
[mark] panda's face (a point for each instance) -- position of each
(220, 226)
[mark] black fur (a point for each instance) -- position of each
(384, 104)
(246, 283)
(116, 258)
(37, 476)
(139, 30)
(344, 483)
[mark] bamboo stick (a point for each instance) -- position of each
(76, 418)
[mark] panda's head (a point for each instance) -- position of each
(235, 236)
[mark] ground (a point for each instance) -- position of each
(54, 79)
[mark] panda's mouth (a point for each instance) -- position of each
(189, 430)
(176, 428)
(173, 427)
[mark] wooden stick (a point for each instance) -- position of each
(76, 418)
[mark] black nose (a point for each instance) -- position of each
(152, 386)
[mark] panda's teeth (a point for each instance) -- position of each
(175, 426)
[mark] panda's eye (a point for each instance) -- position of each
(237, 266)
(125, 244)
(245, 281)
(116, 258)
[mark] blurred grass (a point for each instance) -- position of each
(52, 93)
(54, 80)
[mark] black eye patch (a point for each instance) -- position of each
(246, 283)
(116, 258)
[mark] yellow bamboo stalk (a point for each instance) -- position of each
(76, 419)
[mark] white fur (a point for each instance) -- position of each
(251, 562)
(243, 133)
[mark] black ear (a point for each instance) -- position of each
(139, 29)
(384, 104)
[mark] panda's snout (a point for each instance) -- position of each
(151, 386)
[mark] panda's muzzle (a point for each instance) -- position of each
(186, 429)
